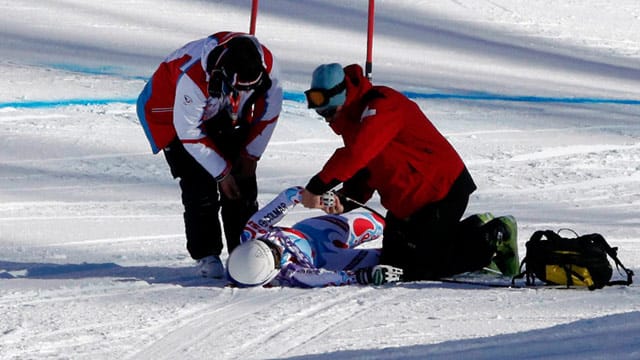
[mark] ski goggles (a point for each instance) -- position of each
(245, 85)
(221, 84)
(318, 97)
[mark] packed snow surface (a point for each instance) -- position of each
(541, 98)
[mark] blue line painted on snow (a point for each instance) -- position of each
(295, 96)
(528, 99)
(58, 103)
(299, 97)
(101, 70)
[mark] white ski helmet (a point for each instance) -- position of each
(254, 263)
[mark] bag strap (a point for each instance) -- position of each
(521, 274)
(613, 253)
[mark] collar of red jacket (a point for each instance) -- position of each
(357, 85)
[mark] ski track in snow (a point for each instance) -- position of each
(187, 331)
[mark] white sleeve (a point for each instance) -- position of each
(268, 119)
(274, 95)
(188, 110)
(265, 219)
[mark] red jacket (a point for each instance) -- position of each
(409, 162)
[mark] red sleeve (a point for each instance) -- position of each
(379, 124)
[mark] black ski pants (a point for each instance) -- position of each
(203, 202)
(433, 242)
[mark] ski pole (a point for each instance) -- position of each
(355, 202)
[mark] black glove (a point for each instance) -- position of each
(378, 275)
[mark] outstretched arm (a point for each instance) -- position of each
(304, 277)
(269, 215)
(294, 275)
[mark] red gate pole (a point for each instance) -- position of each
(369, 63)
(254, 14)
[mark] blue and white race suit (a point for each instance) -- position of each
(319, 251)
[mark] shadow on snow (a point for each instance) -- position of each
(616, 334)
(181, 276)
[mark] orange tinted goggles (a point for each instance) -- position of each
(318, 97)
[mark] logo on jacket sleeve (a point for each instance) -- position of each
(187, 100)
(367, 112)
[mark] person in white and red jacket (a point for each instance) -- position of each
(391, 147)
(211, 107)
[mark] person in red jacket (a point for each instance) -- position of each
(391, 147)
(211, 107)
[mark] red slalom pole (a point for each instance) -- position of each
(254, 14)
(369, 64)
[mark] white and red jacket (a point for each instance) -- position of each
(175, 103)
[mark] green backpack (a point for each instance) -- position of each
(578, 261)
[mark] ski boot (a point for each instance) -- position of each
(502, 232)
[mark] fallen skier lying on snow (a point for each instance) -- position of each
(315, 252)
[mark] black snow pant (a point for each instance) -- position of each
(433, 243)
(203, 202)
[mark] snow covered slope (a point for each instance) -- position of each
(541, 98)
